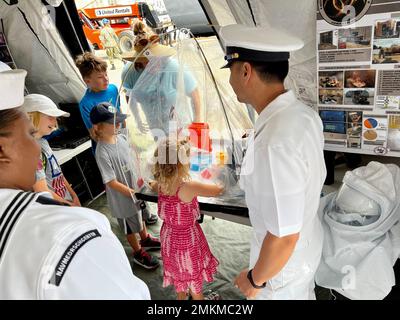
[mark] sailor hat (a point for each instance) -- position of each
(12, 84)
(258, 44)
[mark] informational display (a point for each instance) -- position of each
(358, 65)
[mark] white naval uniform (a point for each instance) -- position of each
(282, 175)
(50, 251)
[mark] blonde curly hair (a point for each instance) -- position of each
(171, 163)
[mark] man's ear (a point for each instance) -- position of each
(246, 72)
(4, 148)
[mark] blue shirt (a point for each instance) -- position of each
(92, 99)
(157, 91)
(129, 76)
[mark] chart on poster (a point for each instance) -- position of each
(358, 65)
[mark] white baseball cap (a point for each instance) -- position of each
(12, 84)
(42, 104)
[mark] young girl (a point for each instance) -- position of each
(43, 113)
(185, 253)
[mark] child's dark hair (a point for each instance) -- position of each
(88, 63)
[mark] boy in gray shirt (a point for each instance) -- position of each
(112, 156)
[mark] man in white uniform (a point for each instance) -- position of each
(283, 170)
(47, 250)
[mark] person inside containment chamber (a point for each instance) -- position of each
(153, 80)
(49, 250)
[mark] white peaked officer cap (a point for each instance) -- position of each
(258, 44)
(12, 84)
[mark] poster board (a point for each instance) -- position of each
(358, 65)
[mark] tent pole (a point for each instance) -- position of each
(72, 25)
(222, 104)
(252, 13)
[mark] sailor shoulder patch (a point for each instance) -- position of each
(69, 254)
(48, 201)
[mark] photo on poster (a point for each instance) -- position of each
(328, 40)
(374, 130)
(393, 139)
(386, 29)
(387, 102)
(5, 54)
(330, 96)
(354, 129)
(333, 116)
(386, 51)
(334, 123)
(2, 39)
(343, 13)
(355, 38)
(363, 96)
(359, 78)
(330, 79)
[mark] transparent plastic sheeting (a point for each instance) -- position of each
(173, 92)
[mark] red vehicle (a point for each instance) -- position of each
(120, 18)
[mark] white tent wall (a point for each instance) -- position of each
(292, 16)
(297, 18)
(225, 12)
(37, 47)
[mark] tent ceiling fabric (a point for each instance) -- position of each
(54, 3)
(283, 15)
(37, 47)
(294, 17)
(224, 12)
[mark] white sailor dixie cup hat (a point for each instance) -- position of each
(12, 84)
(258, 44)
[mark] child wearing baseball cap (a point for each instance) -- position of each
(112, 156)
(43, 113)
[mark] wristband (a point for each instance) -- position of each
(250, 277)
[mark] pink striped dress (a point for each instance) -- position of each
(186, 256)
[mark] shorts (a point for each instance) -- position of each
(132, 224)
(146, 214)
